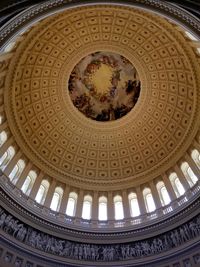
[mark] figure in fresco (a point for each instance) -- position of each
(104, 86)
(103, 116)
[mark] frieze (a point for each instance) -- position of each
(93, 252)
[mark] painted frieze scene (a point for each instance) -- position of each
(104, 86)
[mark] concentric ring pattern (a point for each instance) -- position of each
(68, 146)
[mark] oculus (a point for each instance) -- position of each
(104, 86)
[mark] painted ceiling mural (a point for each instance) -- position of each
(104, 86)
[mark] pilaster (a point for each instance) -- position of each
(63, 204)
(36, 185)
(50, 192)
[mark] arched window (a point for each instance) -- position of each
(17, 170)
(189, 174)
(103, 208)
(118, 205)
(133, 203)
(42, 191)
(56, 200)
(176, 184)
(3, 137)
(163, 194)
(28, 183)
(192, 175)
(7, 156)
(196, 157)
(148, 199)
(71, 204)
(179, 186)
(40, 194)
(87, 207)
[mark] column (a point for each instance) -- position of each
(192, 164)
(6, 145)
(63, 204)
(23, 175)
(110, 212)
(50, 192)
(169, 187)
(95, 206)
(12, 163)
(141, 200)
(155, 195)
(182, 178)
(36, 185)
(126, 205)
(79, 205)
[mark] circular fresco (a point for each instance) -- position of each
(104, 86)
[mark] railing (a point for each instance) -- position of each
(110, 225)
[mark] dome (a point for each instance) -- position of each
(99, 140)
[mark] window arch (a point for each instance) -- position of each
(148, 199)
(6, 157)
(71, 204)
(192, 175)
(196, 157)
(133, 203)
(163, 193)
(3, 137)
(87, 207)
(189, 174)
(118, 206)
(28, 183)
(56, 199)
(103, 206)
(42, 192)
(16, 171)
(176, 184)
